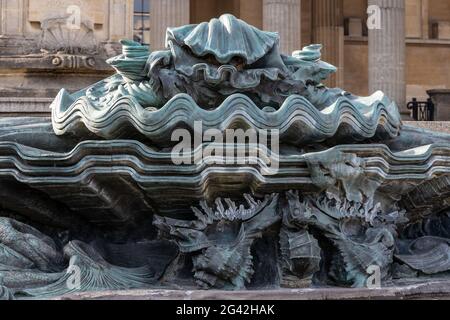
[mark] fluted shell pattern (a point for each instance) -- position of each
(298, 121)
(225, 38)
(98, 274)
(429, 255)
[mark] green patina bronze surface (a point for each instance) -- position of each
(92, 198)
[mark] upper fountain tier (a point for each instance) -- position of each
(223, 72)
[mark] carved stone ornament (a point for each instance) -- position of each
(69, 46)
(60, 37)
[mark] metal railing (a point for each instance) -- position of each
(422, 110)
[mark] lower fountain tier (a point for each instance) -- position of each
(122, 181)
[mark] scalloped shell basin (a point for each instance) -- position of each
(298, 121)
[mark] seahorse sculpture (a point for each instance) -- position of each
(355, 235)
(221, 239)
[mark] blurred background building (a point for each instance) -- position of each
(399, 46)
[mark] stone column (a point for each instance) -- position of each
(387, 51)
(284, 17)
(120, 20)
(328, 29)
(12, 17)
(165, 14)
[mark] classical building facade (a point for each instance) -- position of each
(399, 46)
(46, 45)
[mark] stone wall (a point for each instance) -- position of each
(439, 126)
